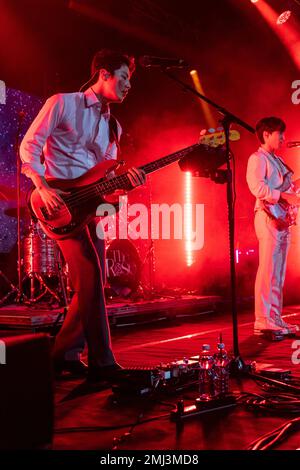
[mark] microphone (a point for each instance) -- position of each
(293, 144)
(151, 61)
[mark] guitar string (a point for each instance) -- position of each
(101, 188)
(156, 164)
(110, 184)
(151, 166)
(73, 200)
(85, 193)
(123, 178)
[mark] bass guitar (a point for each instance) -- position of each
(87, 192)
(91, 189)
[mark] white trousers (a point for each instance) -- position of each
(273, 250)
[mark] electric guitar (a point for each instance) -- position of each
(283, 213)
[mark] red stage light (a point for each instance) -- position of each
(289, 35)
(284, 17)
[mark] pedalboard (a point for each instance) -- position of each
(168, 377)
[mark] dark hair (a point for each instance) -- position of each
(269, 124)
(111, 61)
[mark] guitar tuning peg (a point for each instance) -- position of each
(220, 129)
(211, 130)
(203, 132)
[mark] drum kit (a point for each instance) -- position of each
(45, 275)
(40, 264)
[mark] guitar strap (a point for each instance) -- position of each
(284, 169)
(113, 132)
(279, 212)
(287, 174)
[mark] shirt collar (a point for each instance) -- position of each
(277, 159)
(262, 150)
(91, 99)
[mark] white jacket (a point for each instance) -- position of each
(265, 177)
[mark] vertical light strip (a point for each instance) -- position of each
(188, 220)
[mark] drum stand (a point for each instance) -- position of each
(44, 287)
(13, 290)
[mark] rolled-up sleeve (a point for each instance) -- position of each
(31, 147)
(256, 179)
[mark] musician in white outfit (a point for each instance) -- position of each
(270, 181)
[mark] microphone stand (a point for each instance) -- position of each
(237, 363)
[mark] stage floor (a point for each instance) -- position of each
(88, 418)
(120, 312)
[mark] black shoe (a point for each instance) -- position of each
(104, 373)
(63, 368)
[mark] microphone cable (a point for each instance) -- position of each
(275, 437)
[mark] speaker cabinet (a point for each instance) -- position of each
(26, 392)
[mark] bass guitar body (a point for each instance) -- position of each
(79, 206)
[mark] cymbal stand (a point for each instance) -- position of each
(13, 289)
(32, 299)
(20, 297)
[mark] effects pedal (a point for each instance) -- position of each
(136, 382)
(202, 406)
(274, 373)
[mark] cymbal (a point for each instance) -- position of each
(13, 211)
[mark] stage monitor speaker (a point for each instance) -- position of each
(26, 392)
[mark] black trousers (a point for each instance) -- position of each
(86, 319)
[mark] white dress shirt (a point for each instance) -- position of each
(72, 131)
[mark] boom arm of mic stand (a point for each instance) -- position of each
(228, 115)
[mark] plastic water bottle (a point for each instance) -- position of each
(206, 374)
(221, 370)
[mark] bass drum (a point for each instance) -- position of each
(123, 267)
